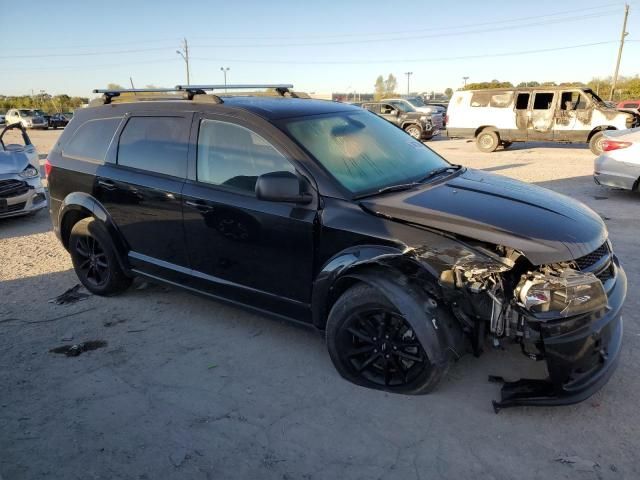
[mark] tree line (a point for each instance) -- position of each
(627, 88)
(43, 101)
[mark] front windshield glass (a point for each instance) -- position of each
(25, 113)
(363, 151)
(402, 106)
(416, 102)
(596, 99)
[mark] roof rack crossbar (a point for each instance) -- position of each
(281, 88)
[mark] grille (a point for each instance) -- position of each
(589, 259)
(13, 188)
(15, 208)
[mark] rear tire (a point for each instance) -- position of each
(95, 259)
(595, 143)
(371, 344)
(487, 141)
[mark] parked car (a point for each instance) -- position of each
(58, 120)
(21, 191)
(630, 105)
(619, 164)
(67, 115)
(417, 124)
(551, 114)
(27, 118)
(41, 113)
(416, 103)
(323, 213)
(2, 118)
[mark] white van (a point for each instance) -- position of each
(557, 114)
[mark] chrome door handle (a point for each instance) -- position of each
(199, 205)
(107, 184)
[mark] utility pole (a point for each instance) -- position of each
(184, 53)
(465, 81)
(408, 74)
(224, 70)
(622, 35)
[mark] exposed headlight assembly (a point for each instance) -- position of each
(29, 172)
(571, 293)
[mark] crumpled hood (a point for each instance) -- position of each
(15, 161)
(545, 226)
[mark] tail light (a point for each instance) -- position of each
(47, 167)
(609, 145)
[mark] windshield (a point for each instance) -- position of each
(596, 99)
(26, 113)
(363, 151)
(402, 106)
(416, 102)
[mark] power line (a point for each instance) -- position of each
(448, 31)
(405, 38)
(404, 60)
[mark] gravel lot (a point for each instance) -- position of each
(190, 388)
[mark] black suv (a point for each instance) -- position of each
(419, 125)
(324, 213)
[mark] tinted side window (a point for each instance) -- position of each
(234, 157)
(542, 101)
(91, 140)
(155, 144)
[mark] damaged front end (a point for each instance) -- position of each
(566, 314)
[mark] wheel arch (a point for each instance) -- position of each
(409, 123)
(485, 127)
(600, 128)
(78, 206)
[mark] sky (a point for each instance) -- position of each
(320, 46)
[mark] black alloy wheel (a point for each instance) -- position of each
(93, 264)
(371, 343)
(379, 345)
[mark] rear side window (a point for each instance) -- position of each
(542, 101)
(155, 144)
(92, 139)
(630, 105)
(233, 156)
(501, 100)
(522, 101)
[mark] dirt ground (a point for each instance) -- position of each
(186, 387)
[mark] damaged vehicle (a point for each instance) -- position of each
(320, 212)
(499, 117)
(21, 190)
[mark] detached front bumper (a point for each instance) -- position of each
(581, 354)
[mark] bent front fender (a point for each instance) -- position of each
(438, 332)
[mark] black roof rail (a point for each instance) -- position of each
(281, 88)
(108, 94)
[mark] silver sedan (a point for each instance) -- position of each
(619, 164)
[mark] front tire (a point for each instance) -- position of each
(372, 344)
(595, 143)
(487, 141)
(414, 130)
(95, 260)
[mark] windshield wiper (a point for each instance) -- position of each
(439, 171)
(391, 188)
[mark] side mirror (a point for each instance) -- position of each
(281, 187)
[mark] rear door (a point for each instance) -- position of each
(541, 123)
(141, 187)
(572, 118)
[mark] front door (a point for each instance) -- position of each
(242, 248)
(542, 116)
(141, 189)
(573, 117)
